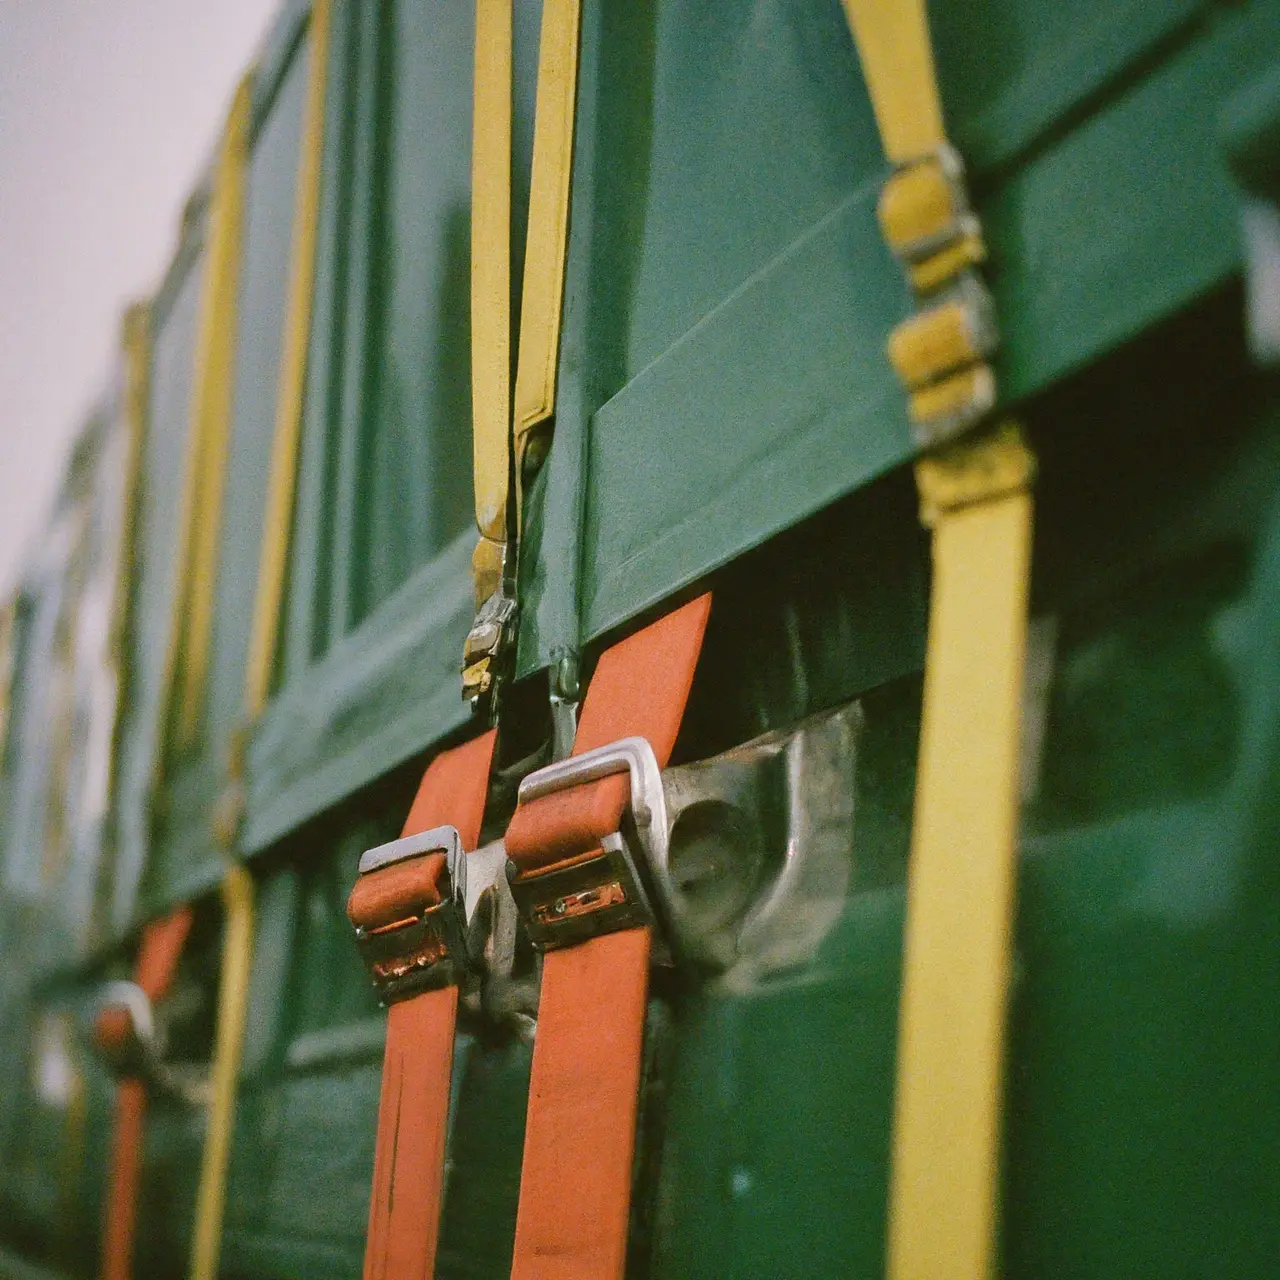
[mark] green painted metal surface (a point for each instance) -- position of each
(304, 628)
(1141, 1135)
(727, 303)
(368, 705)
(52, 783)
(414, 478)
(738, 296)
(724, 419)
(27, 813)
(388, 471)
(1013, 77)
(19, 698)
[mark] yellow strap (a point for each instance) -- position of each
(945, 1156)
(213, 390)
(491, 285)
(237, 884)
(548, 231)
(233, 1001)
(542, 288)
(897, 62)
(975, 494)
(499, 442)
(291, 393)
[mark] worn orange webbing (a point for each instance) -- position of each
(413, 1110)
(158, 956)
(575, 1187)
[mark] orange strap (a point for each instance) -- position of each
(575, 1186)
(413, 1109)
(158, 955)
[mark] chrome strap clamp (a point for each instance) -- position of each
(141, 1050)
(427, 949)
(619, 886)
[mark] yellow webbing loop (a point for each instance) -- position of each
(924, 216)
(918, 206)
(237, 883)
(291, 388)
(954, 398)
(213, 389)
(542, 295)
(491, 288)
(975, 494)
(233, 1001)
(952, 335)
(500, 442)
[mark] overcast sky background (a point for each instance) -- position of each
(108, 111)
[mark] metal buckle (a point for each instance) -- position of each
(957, 221)
(142, 1051)
(141, 1055)
(613, 889)
(488, 649)
(590, 896)
(425, 951)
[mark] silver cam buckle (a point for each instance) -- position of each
(567, 904)
(427, 950)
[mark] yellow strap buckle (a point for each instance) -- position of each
(953, 405)
(957, 330)
(940, 354)
(926, 220)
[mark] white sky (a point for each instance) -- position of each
(108, 110)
